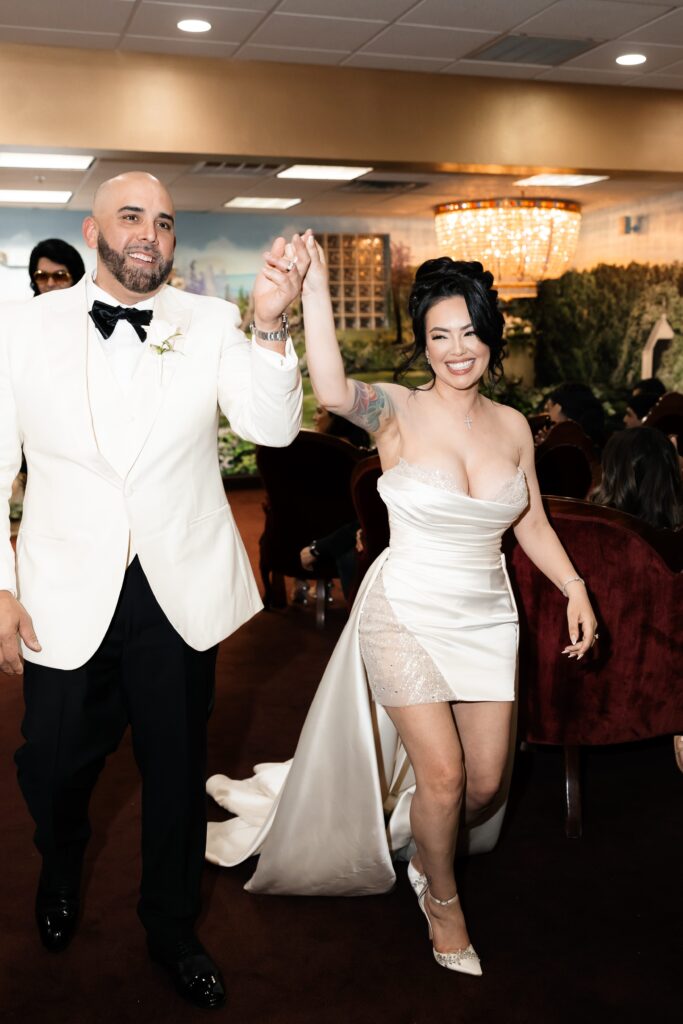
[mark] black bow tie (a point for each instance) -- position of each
(105, 318)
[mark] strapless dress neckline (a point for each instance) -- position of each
(510, 492)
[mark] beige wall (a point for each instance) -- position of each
(660, 240)
(129, 102)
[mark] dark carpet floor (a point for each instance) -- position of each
(568, 931)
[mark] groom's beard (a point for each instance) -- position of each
(141, 279)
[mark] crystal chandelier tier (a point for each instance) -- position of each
(521, 241)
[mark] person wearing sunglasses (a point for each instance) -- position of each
(54, 263)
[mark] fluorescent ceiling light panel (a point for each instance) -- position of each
(260, 203)
(563, 180)
(323, 172)
(35, 196)
(46, 161)
(628, 59)
(194, 25)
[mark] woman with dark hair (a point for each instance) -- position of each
(433, 630)
(641, 476)
(54, 263)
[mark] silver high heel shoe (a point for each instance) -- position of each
(465, 960)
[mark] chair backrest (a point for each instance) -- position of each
(667, 415)
(567, 464)
(630, 686)
(308, 488)
(371, 513)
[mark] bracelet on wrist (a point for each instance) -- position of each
(280, 335)
(572, 579)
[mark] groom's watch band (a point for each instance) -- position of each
(280, 335)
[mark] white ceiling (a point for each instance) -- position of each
(208, 192)
(441, 36)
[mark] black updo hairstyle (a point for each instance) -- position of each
(445, 278)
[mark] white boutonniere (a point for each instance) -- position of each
(163, 337)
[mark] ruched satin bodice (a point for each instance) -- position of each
(444, 584)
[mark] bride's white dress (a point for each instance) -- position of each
(434, 620)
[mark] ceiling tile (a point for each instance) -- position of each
(380, 10)
(393, 63)
(185, 46)
(665, 30)
(57, 37)
(225, 5)
(67, 14)
(604, 57)
(408, 40)
(161, 20)
(492, 69)
(672, 69)
(664, 81)
(290, 54)
(321, 33)
(493, 15)
(588, 19)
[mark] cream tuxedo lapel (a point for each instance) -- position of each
(65, 331)
(153, 377)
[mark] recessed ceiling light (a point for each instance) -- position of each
(323, 172)
(260, 203)
(49, 161)
(35, 196)
(564, 180)
(194, 25)
(631, 58)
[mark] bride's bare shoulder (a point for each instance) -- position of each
(511, 419)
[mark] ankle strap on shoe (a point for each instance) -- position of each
(442, 903)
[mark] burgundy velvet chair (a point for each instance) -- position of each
(567, 463)
(371, 513)
(308, 495)
(630, 687)
(667, 415)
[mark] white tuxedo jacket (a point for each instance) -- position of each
(105, 469)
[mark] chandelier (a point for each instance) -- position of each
(521, 241)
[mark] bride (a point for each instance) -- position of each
(432, 634)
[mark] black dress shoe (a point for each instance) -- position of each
(194, 973)
(56, 915)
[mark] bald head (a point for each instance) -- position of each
(132, 226)
(122, 187)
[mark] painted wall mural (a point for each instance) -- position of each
(217, 254)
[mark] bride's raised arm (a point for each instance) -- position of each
(368, 405)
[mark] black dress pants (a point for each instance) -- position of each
(144, 674)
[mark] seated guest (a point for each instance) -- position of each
(649, 386)
(639, 405)
(574, 401)
(54, 263)
(641, 476)
(340, 545)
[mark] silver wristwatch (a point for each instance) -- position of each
(280, 335)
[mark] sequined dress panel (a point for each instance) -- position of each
(439, 622)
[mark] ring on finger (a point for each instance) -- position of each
(290, 264)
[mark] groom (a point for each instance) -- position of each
(129, 568)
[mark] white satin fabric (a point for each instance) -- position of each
(330, 821)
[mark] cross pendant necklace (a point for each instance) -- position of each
(468, 421)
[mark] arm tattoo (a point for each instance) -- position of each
(371, 406)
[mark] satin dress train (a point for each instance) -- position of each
(434, 620)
